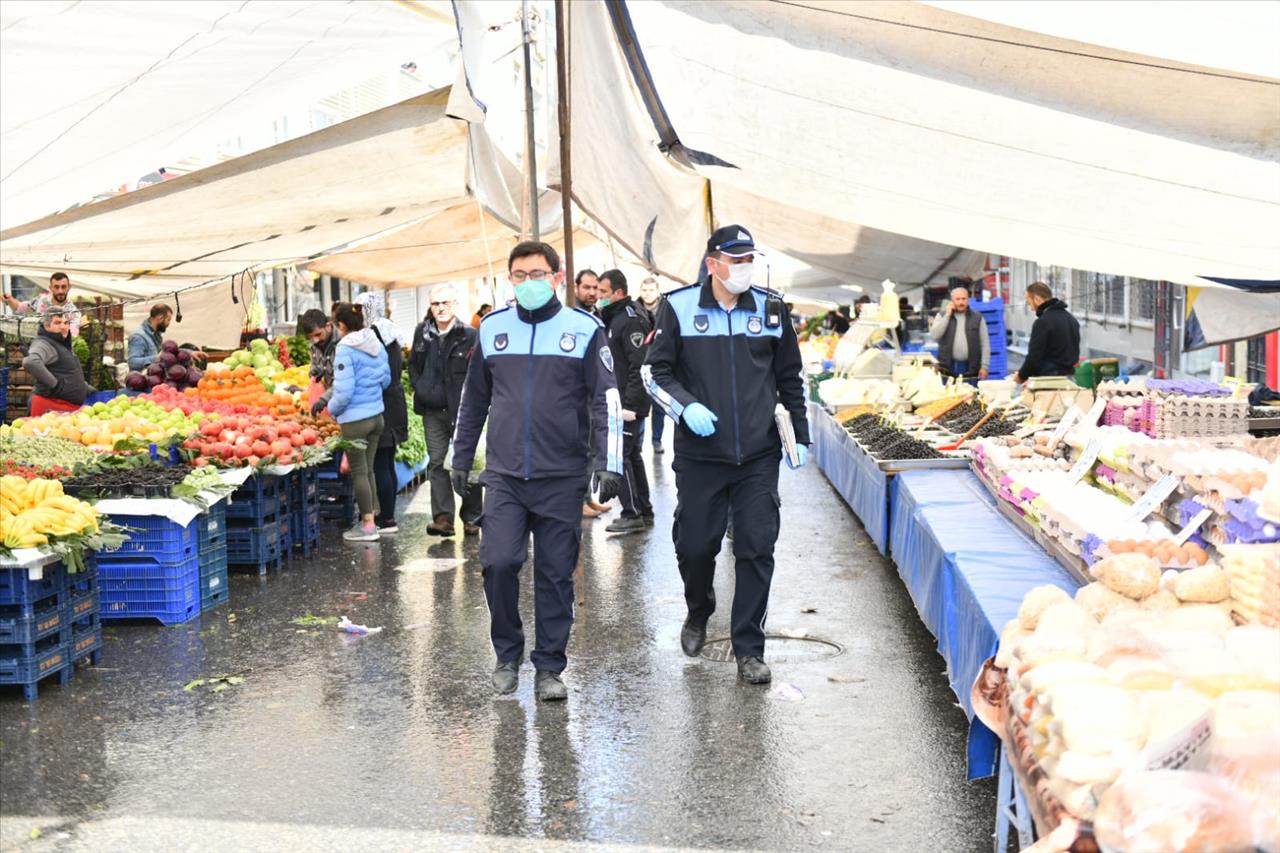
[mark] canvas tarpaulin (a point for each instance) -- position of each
(919, 122)
(292, 201)
(457, 244)
(1216, 316)
(96, 94)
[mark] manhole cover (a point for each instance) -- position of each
(778, 649)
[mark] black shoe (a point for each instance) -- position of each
(506, 676)
(549, 687)
(387, 526)
(693, 637)
(648, 520)
(625, 525)
(657, 448)
(471, 529)
(442, 526)
(754, 671)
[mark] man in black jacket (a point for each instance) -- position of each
(724, 355)
(628, 330)
(1054, 348)
(437, 370)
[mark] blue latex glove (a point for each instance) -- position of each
(802, 451)
(700, 419)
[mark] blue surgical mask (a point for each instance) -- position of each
(533, 294)
(603, 303)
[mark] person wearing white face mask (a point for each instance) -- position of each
(724, 355)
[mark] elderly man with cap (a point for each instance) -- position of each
(724, 355)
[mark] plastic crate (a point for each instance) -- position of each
(341, 510)
(84, 581)
(153, 538)
(213, 577)
(211, 527)
(261, 497)
(256, 548)
(169, 592)
(100, 397)
(304, 488)
(305, 528)
(27, 623)
(28, 665)
(86, 642)
(78, 608)
(286, 537)
(17, 587)
(4, 395)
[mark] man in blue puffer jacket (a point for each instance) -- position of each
(360, 372)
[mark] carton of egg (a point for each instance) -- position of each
(1166, 551)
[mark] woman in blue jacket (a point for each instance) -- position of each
(360, 372)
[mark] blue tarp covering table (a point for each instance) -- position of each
(854, 474)
(967, 569)
(406, 473)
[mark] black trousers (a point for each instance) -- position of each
(635, 482)
(707, 493)
(550, 509)
(384, 477)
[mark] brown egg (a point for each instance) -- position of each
(1163, 552)
(1197, 554)
(1120, 546)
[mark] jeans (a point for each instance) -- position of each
(370, 430)
(384, 474)
(659, 424)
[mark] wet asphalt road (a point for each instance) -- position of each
(395, 741)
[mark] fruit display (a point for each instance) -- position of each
(1131, 671)
(36, 514)
(293, 377)
(258, 358)
(242, 387)
(237, 441)
(41, 451)
(104, 425)
(173, 367)
(299, 350)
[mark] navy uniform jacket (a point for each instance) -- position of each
(730, 362)
(627, 326)
(541, 378)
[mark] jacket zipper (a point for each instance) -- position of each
(528, 408)
(733, 388)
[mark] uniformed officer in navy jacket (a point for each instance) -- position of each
(723, 355)
(543, 376)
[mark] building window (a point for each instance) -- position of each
(1142, 300)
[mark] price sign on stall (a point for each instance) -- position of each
(1155, 496)
(1185, 749)
(1192, 526)
(1086, 460)
(1095, 412)
(1069, 418)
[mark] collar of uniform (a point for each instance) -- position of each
(613, 308)
(707, 298)
(546, 312)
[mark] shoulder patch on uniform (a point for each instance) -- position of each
(568, 341)
(701, 322)
(500, 342)
(606, 358)
(637, 339)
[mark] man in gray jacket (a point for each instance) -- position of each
(59, 380)
(964, 348)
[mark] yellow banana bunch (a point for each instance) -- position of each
(13, 493)
(39, 491)
(76, 514)
(18, 533)
(32, 511)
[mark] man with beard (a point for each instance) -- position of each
(144, 344)
(59, 382)
(56, 298)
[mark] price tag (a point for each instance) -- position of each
(1086, 460)
(1192, 526)
(1095, 412)
(1069, 418)
(1185, 749)
(1155, 496)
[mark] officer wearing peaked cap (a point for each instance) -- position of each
(536, 369)
(724, 354)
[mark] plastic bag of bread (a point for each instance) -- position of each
(1035, 602)
(1204, 584)
(1134, 575)
(1173, 811)
(1253, 769)
(1160, 601)
(1100, 601)
(1256, 649)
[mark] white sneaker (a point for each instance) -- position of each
(360, 534)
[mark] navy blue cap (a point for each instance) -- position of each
(732, 240)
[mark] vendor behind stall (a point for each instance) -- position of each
(59, 381)
(964, 347)
(144, 344)
(319, 329)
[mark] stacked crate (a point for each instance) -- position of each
(46, 625)
(155, 574)
(257, 516)
(304, 509)
(337, 497)
(212, 538)
(992, 311)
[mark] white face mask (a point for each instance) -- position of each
(739, 280)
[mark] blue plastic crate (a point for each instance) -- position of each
(28, 665)
(83, 581)
(305, 529)
(86, 642)
(100, 397)
(262, 496)
(211, 527)
(17, 587)
(147, 590)
(27, 623)
(154, 538)
(304, 489)
(256, 548)
(89, 604)
(341, 510)
(213, 577)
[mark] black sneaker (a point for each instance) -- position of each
(388, 526)
(693, 637)
(754, 670)
(549, 687)
(506, 676)
(625, 525)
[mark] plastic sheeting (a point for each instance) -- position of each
(854, 474)
(967, 570)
